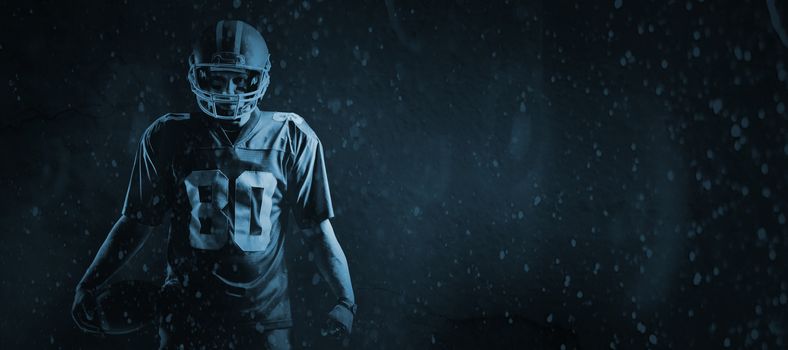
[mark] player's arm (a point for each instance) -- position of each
(311, 200)
(123, 241)
(333, 267)
(330, 259)
(147, 202)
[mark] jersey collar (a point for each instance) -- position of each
(245, 134)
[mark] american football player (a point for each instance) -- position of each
(227, 177)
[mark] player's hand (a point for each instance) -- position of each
(339, 322)
(84, 307)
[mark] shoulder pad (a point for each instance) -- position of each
(174, 116)
(295, 118)
(170, 117)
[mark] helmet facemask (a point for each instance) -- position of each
(210, 82)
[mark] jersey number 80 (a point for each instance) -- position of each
(208, 227)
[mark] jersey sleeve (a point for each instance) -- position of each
(149, 191)
(312, 196)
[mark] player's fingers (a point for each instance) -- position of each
(78, 315)
(78, 312)
(331, 329)
(88, 312)
(338, 332)
(84, 317)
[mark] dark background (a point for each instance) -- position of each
(589, 174)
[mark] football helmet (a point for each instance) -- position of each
(118, 308)
(235, 47)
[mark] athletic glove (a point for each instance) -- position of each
(340, 319)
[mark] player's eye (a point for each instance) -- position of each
(217, 83)
(240, 82)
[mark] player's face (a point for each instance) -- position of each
(228, 82)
